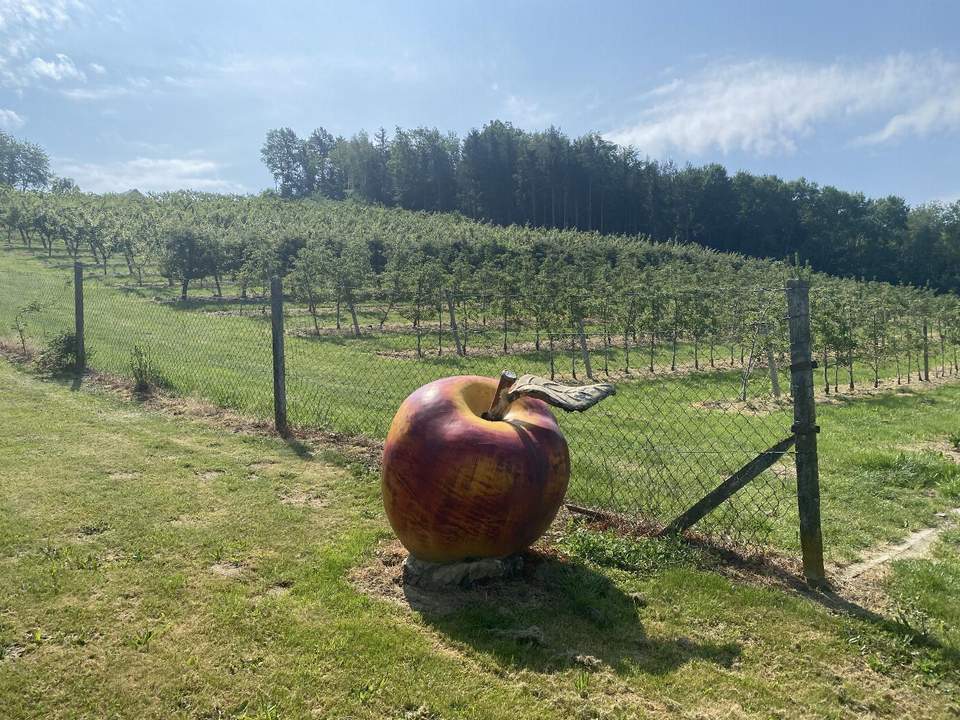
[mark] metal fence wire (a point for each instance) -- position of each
(694, 402)
(702, 375)
(36, 305)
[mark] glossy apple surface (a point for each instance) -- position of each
(457, 486)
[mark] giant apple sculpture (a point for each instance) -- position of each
(471, 470)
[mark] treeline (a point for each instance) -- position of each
(545, 179)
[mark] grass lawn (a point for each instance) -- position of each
(157, 567)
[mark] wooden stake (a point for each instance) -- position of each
(805, 428)
(78, 316)
(279, 359)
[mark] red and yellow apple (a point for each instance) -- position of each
(457, 486)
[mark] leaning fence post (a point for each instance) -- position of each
(805, 428)
(78, 316)
(279, 363)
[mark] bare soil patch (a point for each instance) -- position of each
(228, 570)
(305, 499)
(916, 545)
(12, 652)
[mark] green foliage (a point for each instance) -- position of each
(505, 175)
(59, 354)
(613, 549)
(21, 319)
(23, 164)
(145, 374)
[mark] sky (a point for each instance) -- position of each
(165, 94)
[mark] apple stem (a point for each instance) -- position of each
(498, 408)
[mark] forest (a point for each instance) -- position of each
(508, 176)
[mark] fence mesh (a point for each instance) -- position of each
(701, 374)
(692, 406)
(36, 305)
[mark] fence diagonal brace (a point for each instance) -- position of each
(728, 487)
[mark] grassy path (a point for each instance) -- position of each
(153, 567)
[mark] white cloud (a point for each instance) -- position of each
(37, 14)
(104, 92)
(27, 26)
(526, 113)
(149, 175)
(10, 120)
(132, 86)
(936, 114)
(97, 68)
(59, 69)
(765, 107)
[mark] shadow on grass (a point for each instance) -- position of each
(561, 615)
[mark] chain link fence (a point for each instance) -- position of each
(36, 306)
(702, 375)
(692, 405)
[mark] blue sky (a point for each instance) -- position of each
(160, 95)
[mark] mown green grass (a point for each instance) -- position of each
(653, 448)
(114, 523)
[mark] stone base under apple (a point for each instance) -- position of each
(464, 575)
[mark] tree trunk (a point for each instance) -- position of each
(850, 364)
(673, 361)
(504, 327)
(584, 350)
(772, 367)
(453, 325)
(747, 371)
(826, 369)
(353, 315)
(416, 326)
(626, 350)
(312, 307)
(653, 348)
(183, 288)
(550, 345)
(573, 357)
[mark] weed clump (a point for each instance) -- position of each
(146, 376)
(60, 353)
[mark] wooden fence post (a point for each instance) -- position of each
(78, 316)
(805, 428)
(279, 360)
(926, 353)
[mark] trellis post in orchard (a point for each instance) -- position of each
(279, 362)
(78, 316)
(805, 430)
(926, 353)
